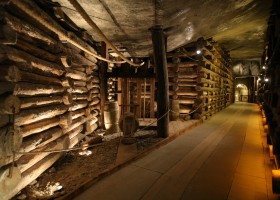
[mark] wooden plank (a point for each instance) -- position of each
(32, 62)
(120, 101)
(152, 98)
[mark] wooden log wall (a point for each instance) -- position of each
(202, 83)
(49, 96)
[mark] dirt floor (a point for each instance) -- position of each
(73, 170)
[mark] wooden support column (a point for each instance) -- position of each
(103, 82)
(120, 101)
(139, 91)
(158, 39)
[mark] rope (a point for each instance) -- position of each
(191, 111)
(160, 119)
(54, 28)
(189, 56)
(94, 145)
(86, 17)
(60, 150)
(192, 58)
(153, 122)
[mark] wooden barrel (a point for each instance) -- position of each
(129, 124)
(111, 115)
(175, 110)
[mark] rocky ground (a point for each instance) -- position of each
(76, 168)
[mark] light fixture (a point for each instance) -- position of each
(271, 155)
(198, 52)
(266, 79)
(263, 67)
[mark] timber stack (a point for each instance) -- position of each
(200, 79)
(269, 92)
(49, 96)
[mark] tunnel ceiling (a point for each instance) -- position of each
(239, 25)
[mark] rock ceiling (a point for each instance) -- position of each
(239, 25)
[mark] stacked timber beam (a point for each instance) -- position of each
(269, 91)
(49, 96)
(201, 82)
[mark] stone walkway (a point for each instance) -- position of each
(223, 158)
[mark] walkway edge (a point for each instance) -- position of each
(115, 168)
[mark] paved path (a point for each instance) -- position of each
(223, 158)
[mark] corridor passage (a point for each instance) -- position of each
(223, 158)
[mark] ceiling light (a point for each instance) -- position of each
(266, 79)
(198, 52)
(263, 67)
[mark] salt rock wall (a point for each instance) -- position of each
(247, 68)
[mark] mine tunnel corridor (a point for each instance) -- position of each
(88, 87)
(223, 158)
(241, 93)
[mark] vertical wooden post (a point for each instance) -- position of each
(152, 98)
(125, 90)
(103, 82)
(120, 102)
(162, 79)
(139, 92)
(144, 100)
